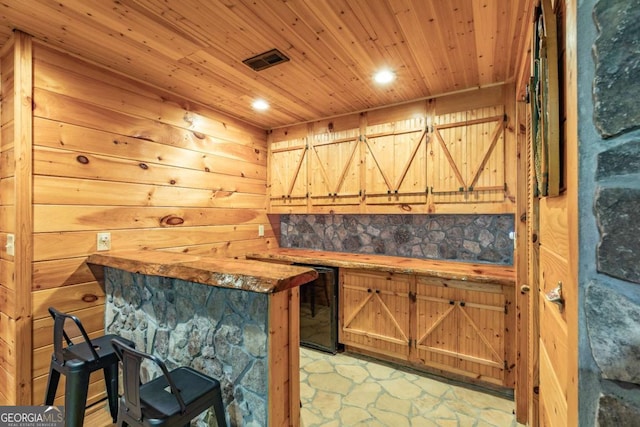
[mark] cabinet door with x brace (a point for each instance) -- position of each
(468, 154)
(460, 327)
(375, 311)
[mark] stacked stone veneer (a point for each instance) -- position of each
(469, 238)
(221, 332)
(610, 212)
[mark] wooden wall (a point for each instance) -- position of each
(7, 225)
(16, 218)
(558, 242)
(111, 154)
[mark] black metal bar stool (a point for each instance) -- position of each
(76, 362)
(173, 399)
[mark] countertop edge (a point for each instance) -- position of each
(206, 270)
(481, 273)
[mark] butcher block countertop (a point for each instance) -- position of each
(483, 273)
(248, 275)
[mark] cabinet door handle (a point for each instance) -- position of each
(451, 302)
(369, 290)
(462, 303)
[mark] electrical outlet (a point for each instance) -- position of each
(104, 242)
(11, 244)
(261, 230)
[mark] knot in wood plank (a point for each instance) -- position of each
(171, 220)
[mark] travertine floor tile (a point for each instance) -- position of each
(331, 382)
(363, 395)
(392, 404)
(356, 373)
(350, 416)
(390, 418)
(401, 388)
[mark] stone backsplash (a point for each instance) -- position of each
(469, 238)
(221, 332)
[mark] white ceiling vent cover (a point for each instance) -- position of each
(266, 60)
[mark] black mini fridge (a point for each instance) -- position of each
(319, 310)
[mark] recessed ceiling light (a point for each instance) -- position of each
(384, 76)
(260, 105)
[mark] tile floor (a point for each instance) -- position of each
(344, 390)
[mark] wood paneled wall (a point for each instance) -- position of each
(7, 225)
(112, 154)
(558, 242)
(16, 218)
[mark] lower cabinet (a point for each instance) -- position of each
(444, 325)
(374, 313)
(460, 328)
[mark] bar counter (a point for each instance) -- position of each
(235, 320)
(224, 272)
(444, 269)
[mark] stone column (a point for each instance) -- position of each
(610, 212)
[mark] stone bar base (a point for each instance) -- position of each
(247, 340)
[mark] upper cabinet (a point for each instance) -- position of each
(395, 158)
(454, 154)
(288, 164)
(335, 162)
(468, 156)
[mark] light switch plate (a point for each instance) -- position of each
(11, 244)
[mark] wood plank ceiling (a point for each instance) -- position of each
(195, 48)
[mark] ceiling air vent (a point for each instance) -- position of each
(266, 60)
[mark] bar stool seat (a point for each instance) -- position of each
(76, 362)
(172, 399)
